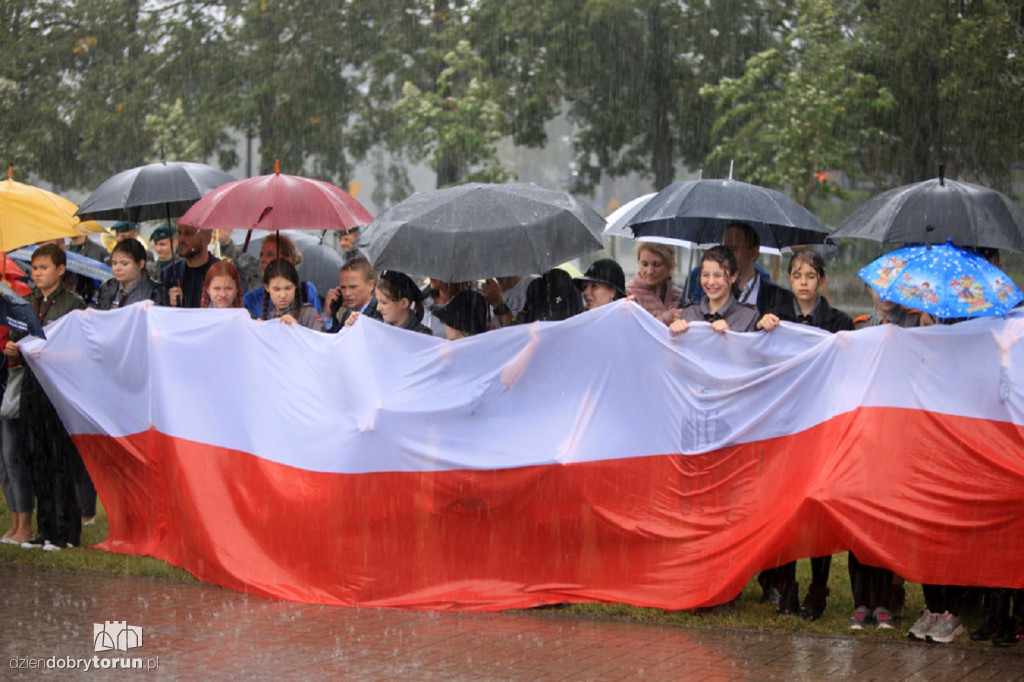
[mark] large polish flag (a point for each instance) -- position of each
(596, 459)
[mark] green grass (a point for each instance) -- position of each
(752, 614)
(86, 559)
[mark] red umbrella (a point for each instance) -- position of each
(277, 202)
(11, 270)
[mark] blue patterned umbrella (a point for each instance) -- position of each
(944, 281)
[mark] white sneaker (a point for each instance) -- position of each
(946, 628)
(50, 547)
(925, 623)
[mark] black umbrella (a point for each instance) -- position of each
(158, 191)
(698, 211)
(477, 230)
(17, 313)
(933, 211)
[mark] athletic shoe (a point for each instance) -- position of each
(34, 543)
(883, 619)
(50, 547)
(925, 623)
(861, 618)
(946, 628)
(1011, 634)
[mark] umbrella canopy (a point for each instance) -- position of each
(477, 230)
(617, 222)
(158, 191)
(17, 313)
(29, 215)
(944, 281)
(698, 210)
(277, 202)
(618, 226)
(76, 263)
(11, 270)
(936, 210)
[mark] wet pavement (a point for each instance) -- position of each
(203, 632)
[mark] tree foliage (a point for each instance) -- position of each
(292, 88)
(633, 77)
(36, 50)
(799, 110)
(956, 68)
(458, 121)
(91, 87)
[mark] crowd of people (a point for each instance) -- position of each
(728, 290)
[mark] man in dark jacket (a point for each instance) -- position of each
(184, 279)
(354, 294)
(743, 241)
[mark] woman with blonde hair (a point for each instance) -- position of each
(652, 286)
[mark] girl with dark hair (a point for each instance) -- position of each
(278, 247)
(281, 283)
(806, 279)
(871, 585)
(222, 287)
(719, 306)
(130, 283)
(400, 302)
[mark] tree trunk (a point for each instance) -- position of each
(265, 104)
(447, 171)
(661, 135)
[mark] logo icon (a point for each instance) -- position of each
(116, 635)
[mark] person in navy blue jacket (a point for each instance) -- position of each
(806, 278)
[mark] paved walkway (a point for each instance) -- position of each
(203, 632)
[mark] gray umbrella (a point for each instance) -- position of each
(477, 230)
(933, 211)
(698, 210)
(76, 263)
(158, 191)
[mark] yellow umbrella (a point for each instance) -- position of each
(571, 269)
(29, 215)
